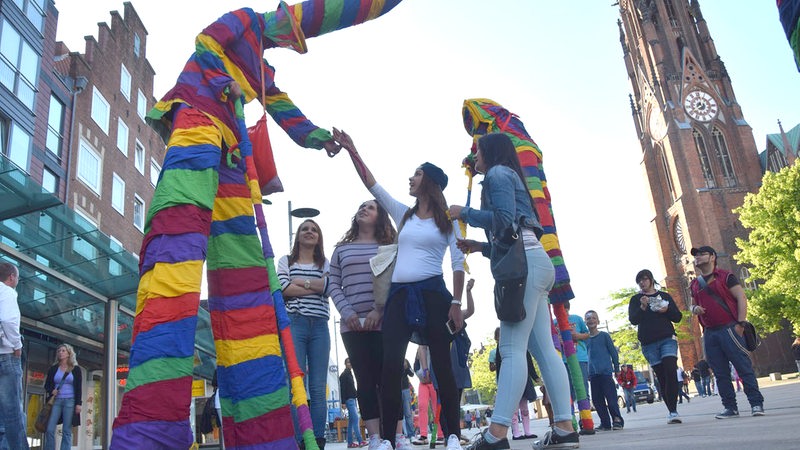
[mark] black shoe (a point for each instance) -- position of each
(727, 414)
(531, 436)
(480, 443)
(601, 428)
(518, 438)
(552, 439)
(585, 432)
(618, 425)
(321, 443)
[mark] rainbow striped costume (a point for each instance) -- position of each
(482, 116)
(789, 11)
(203, 209)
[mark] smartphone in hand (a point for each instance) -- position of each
(451, 326)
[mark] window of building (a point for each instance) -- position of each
(141, 104)
(702, 154)
(49, 181)
(19, 147)
(667, 173)
(155, 171)
(724, 158)
(138, 212)
(115, 268)
(34, 11)
(670, 13)
(776, 160)
(137, 45)
(138, 157)
(89, 166)
(122, 137)
(19, 64)
(125, 82)
(101, 111)
(118, 194)
(55, 126)
(79, 245)
(744, 277)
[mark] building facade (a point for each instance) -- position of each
(77, 170)
(698, 152)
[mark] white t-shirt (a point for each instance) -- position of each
(421, 245)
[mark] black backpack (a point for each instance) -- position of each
(209, 416)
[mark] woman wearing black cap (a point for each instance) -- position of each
(419, 304)
(654, 311)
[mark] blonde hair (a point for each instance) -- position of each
(71, 359)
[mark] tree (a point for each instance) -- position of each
(772, 249)
(483, 380)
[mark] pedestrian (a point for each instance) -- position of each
(627, 381)
(735, 377)
(64, 382)
(796, 352)
(522, 414)
(460, 351)
(360, 326)
(603, 366)
(654, 312)
(11, 415)
(419, 305)
(468, 419)
(304, 278)
(682, 381)
(720, 303)
(347, 390)
(408, 413)
(705, 374)
(698, 381)
(427, 399)
(505, 200)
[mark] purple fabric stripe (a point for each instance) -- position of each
(157, 435)
(304, 417)
(174, 249)
(281, 444)
(241, 301)
(232, 176)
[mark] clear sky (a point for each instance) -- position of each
(397, 84)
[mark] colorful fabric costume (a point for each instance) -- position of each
(483, 116)
(789, 11)
(203, 203)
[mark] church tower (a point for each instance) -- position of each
(698, 152)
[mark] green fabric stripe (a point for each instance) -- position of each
(794, 41)
(330, 20)
(159, 370)
(233, 251)
(254, 407)
(184, 187)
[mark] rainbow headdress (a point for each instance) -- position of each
(203, 210)
(789, 11)
(483, 116)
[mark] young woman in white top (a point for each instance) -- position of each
(419, 304)
(303, 275)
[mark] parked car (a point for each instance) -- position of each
(643, 392)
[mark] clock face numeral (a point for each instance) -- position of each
(700, 106)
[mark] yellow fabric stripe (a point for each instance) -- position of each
(231, 352)
(186, 137)
(298, 392)
(375, 9)
(235, 72)
(229, 207)
(169, 280)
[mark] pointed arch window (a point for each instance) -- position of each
(776, 161)
(667, 172)
(702, 155)
(673, 21)
(724, 158)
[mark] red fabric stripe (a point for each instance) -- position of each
(244, 323)
(227, 282)
(192, 118)
(166, 309)
(272, 426)
(166, 400)
(178, 220)
(233, 190)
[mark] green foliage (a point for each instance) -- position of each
(630, 351)
(483, 380)
(772, 249)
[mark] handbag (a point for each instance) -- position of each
(43, 417)
(509, 268)
(751, 338)
(382, 266)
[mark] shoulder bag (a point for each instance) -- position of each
(509, 268)
(751, 338)
(382, 266)
(44, 415)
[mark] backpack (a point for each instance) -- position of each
(208, 418)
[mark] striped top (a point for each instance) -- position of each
(315, 305)
(351, 280)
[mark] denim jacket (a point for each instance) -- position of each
(504, 199)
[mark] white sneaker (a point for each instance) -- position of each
(402, 443)
(385, 445)
(375, 442)
(453, 442)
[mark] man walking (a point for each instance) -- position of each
(705, 376)
(627, 380)
(10, 363)
(721, 305)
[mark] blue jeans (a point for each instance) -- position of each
(11, 401)
(630, 399)
(654, 352)
(706, 386)
(408, 415)
(532, 332)
(63, 408)
(353, 430)
(724, 345)
(312, 345)
(604, 397)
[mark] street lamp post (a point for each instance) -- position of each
(300, 213)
